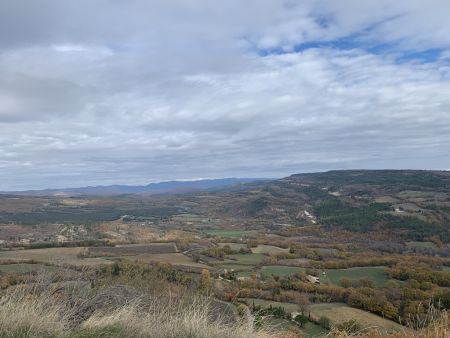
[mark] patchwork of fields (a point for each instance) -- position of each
(79, 256)
(245, 265)
(172, 258)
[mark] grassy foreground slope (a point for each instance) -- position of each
(125, 300)
(41, 317)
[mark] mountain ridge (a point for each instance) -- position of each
(164, 187)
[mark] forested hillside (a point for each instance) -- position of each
(412, 205)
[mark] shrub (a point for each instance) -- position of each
(301, 320)
(324, 322)
(350, 326)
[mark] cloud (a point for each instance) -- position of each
(102, 92)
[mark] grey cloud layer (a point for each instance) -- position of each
(100, 92)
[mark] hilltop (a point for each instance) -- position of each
(411, 204)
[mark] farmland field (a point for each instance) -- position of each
(134, 249)
(233, 246)
(376, 274)
(339, 312)
(405, 194)
(172, 258)
(57, 256)
(278, 270)
(246, 259)
(25, 268)
(301, 262)
(71, 256)
(268, 249)
(235, 267)
(244, 273)
(230, 233)
(188, 218)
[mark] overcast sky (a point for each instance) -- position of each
(127, 91)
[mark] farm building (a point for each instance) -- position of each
(312, 279)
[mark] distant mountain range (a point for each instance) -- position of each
(169, 187)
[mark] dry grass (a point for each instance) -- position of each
(339, 312)
(51, 309)
(170, 319)
(23, 313)
(437, 328)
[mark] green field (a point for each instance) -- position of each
(269, 249)
(244, 273)
(233, 246)
(25, 268)
(247, 259)
(278, 270)
(376, 274)
(188, 218)
(230, 233)
(339, 312)
(195, 220)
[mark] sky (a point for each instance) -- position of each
(98, 92)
